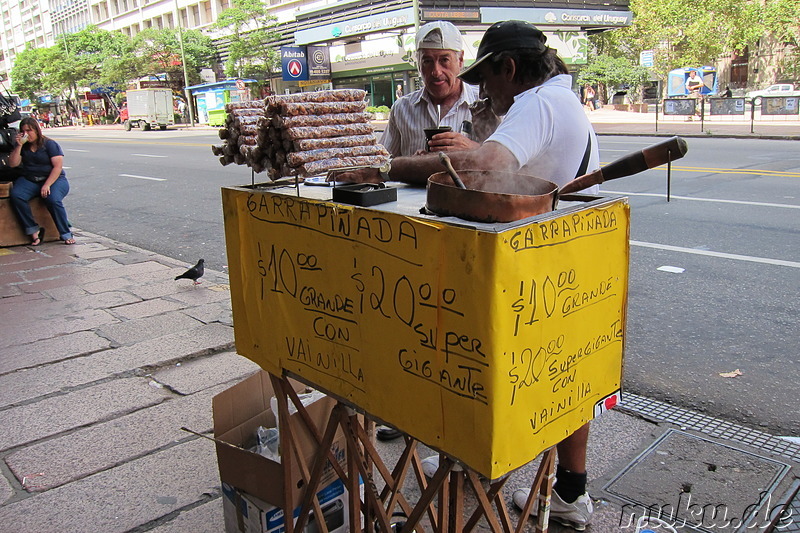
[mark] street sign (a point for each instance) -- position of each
(646, 58)
(319, 63)
(294, 63)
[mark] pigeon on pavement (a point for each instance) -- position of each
(194, 273)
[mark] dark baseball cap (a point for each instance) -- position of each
(501, 36)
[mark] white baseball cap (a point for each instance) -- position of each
(440, 35)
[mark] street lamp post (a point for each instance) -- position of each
(183, 62)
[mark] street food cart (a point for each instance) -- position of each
(490, 342)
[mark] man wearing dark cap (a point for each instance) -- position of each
(544, 133)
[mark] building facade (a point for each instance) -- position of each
(24, 22)
(69, 16)
(371, 46)
(132, 16)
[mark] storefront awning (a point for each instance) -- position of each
(225, 84)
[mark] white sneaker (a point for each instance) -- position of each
(430, 465)
(575, 515)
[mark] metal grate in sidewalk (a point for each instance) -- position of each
(791, 523)
(713, 427)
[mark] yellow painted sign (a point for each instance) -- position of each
(488, 345)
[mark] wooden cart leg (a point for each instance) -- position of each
(455, 504)
(545, 489)
(286, 443)
(432, 488)
(354, 490)
(485, 505)
(541, 490)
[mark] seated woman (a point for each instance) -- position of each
(42, 163)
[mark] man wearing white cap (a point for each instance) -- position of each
(443, 101)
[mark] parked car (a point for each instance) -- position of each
(779, 89)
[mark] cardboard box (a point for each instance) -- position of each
(245, 513)
(238, 411)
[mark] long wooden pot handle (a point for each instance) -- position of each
(651, 157)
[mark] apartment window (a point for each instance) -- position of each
(205, 12)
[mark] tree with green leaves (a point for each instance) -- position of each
(607, 72)
(782, 19)
(28, 73)
(87, 58)
(252, 35)
(97, 58)
(690, 32)
(159, 53)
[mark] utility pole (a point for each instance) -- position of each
(183, 61)
(74, 88)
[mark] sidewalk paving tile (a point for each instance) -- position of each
(51, 350)
(16, 388)
(45, 273)
(205, 518)
(56, 414)
(9, 291)
(57, 325)
(65, 459)
(69, 292)
(122, 498)
(173, 348)
(146, 308)
(84, 276)
(104, 300)
(9, 278)
(191, 296)
(214, 312)
(157, 289)
(111, 284)
(99, 254)
(142, 329)
(199, 374)
(37, 287)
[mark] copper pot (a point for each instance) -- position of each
(494, 196)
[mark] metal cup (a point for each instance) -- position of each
(430, 132)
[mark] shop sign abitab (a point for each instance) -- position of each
(294, 64)
(301, 63)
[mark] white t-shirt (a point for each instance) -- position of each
(547, 131)
(413, 113)
(694, 84)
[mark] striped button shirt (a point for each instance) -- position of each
(413, 113)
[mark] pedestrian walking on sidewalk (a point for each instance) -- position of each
(588, 97)
(43, 175)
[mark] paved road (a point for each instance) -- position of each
(731, 230)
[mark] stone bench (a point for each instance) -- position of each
(11, 232)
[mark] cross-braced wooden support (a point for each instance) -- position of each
(442, 497)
